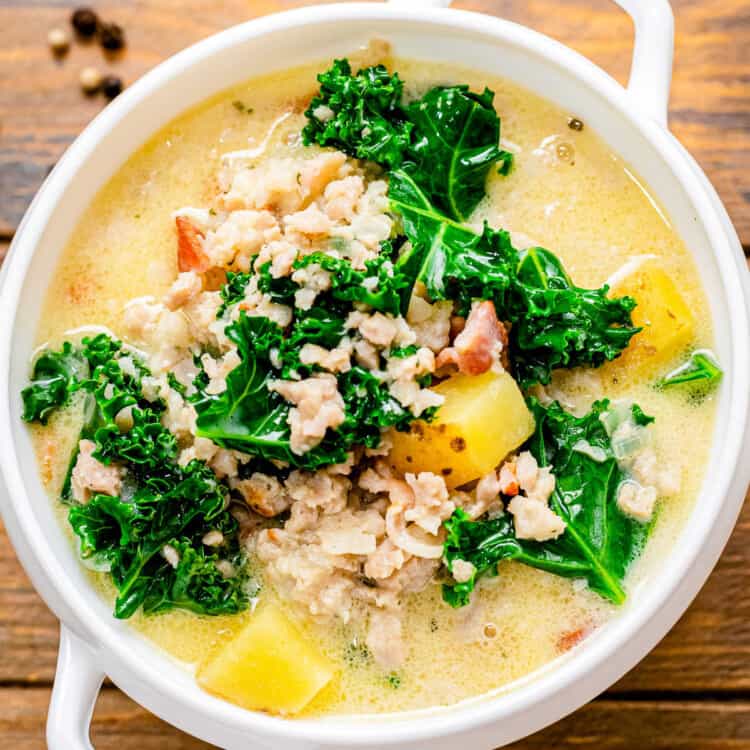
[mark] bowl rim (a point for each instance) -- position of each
(603, 659)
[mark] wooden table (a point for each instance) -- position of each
(693, 691)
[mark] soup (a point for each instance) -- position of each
(314, 392)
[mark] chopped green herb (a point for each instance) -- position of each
(641, 419)
(242, 107)
(394, 680)
(507, 159)
(400, 352)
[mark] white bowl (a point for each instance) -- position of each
(632, 121)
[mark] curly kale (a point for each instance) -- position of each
(380, 285)
(451, 260)
(440, 149)
(599, 541)
(170, 505)
(701, 368)
(447, 140)
(174, 509)
(368, 119)
(554, 323)
(53, 379)
(233, 291)
(249, 417)
(147, 445)
(318, 326)
(557, 324)
(454, 146)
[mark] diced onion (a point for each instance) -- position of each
(594, 452)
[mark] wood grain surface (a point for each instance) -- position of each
(693, 691)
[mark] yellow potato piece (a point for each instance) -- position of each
(267, 666)
(484, 418)
(667, 322)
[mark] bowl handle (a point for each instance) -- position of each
(76, 687)
(651, 69)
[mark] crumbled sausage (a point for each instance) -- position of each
(90, 476)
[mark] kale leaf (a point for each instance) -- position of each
(249, 417)
(233, 291)
(170, 505)
(281, 290)
(556, 324)
(451, 260)
(370, 408)
(176, 508)
(439, 150)
(318, 326)
(380, 286)
(454, 145)
(701, 367)
(446, 141)
(52, 381)
(599, 541)
(362, 115)
(112, 387)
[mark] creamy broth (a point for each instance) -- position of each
(588, 207)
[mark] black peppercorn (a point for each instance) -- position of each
(111, 86)
(84, 21)
(575, 124)
(111, 36)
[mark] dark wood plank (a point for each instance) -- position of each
(43, 110)
(28, 630)
(119, 724)
(647, 725)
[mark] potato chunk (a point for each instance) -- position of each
(267, 666)
(667, 322)
(484, 418)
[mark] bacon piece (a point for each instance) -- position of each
(190, 254)
(478, 345)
